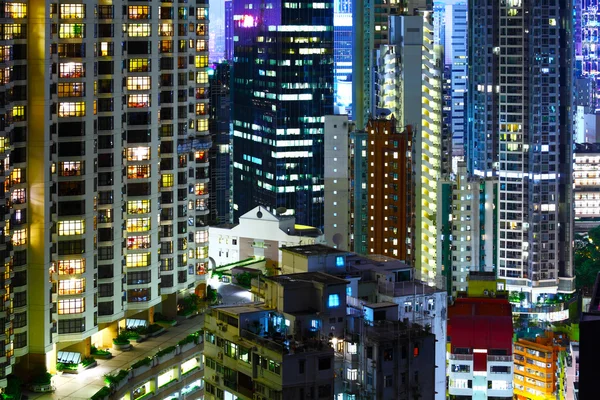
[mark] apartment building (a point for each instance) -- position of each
(536, 367)
(278, 349)
(480, 348)
(385, 358)
(586, 185)
(104, 137)
(380, 279)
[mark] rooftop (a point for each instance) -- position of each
(312, 250)
(383, 304)
(319, 277)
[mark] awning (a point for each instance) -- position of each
(68, 357)
(135, 323)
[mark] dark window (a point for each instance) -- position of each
(105, 308)
(20, 340)
(20, 299)
(70, 149)
(301, 366)
(76, 207)
(20, 320)
(138, 136)
(71, 325)
(370, 352)
(71, 247)
(324, 363)
(105, 253)
(166, 281)
(138, 278)
(105, 290)
(105, 271)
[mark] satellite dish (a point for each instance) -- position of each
(281, 210)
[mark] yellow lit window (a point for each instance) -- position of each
(71, 89)
(70, 267)
(201, 77)
(68, 228)
(70, 168)
(165, 29)
(71, 31)
(201, 13)
(138, 171)
(71, 286)
(202, 252)
(71, 70)
(72, 11)
(138, 153)
(138, 83)
(16, 176)
(138, 260)
(167, 180)
(201, 236)
(201, 45)
(138, 206)
(201, 61)
(5, 74)
(3, 144)
(201, 109)
(5, 53)
(138, 65)
(71, 306)
(138, 242)
(138, 100)
(139, 30)
(18, 113)
(202, 125)
(15, 10)
(13, 31)
(138, 12)
(71, 109)
(138, 224)
(19, 237)
(201, 30)
(200, 189)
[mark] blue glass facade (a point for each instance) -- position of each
(342, 59)
(282, 85)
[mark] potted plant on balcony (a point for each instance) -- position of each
(99, 353)
(119, 380)
(187, 343)
(121, 342)
(101, 394)
(164, 321)
(141, 366)
(166, 354)
(155, 330)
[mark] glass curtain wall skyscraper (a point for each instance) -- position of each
(520, 131)
(282, 84)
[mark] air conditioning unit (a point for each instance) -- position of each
(216, 378)
(224, 328)
(220, 356)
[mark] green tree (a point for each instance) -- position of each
(587, 258)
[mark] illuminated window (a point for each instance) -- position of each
(138, 100)
(71, 306)
(71, 109)
(202, 252)
(16, 176)
(71, 286)
(19, 237)
(138, 83)
(5, 75)
(201, 109)
(201, 30)
(165, 30)
(167, 180)
(71, 70)
(202, 77)
(333, 301)
(138, 206)
(71, 31)
(74, 89)
(70, 267)
(201, 45)
(18, 113)
(202, 125)
(138, 65)
(201, 13)
(339, 261)
(68, 228)
(201, 61)
(351, 374)
(18, 196)
(138, 171)
(201, 236)
(138, 224)
(13, 31)
(138, 242)
(138, 154)
(139, 30)
(352, 348)
(72, 11)
(138, 260)
(138, 12)
(15, 10)
(199, 189)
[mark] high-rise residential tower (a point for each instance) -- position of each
(282, 83)
(104, 137)
(520, 131)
